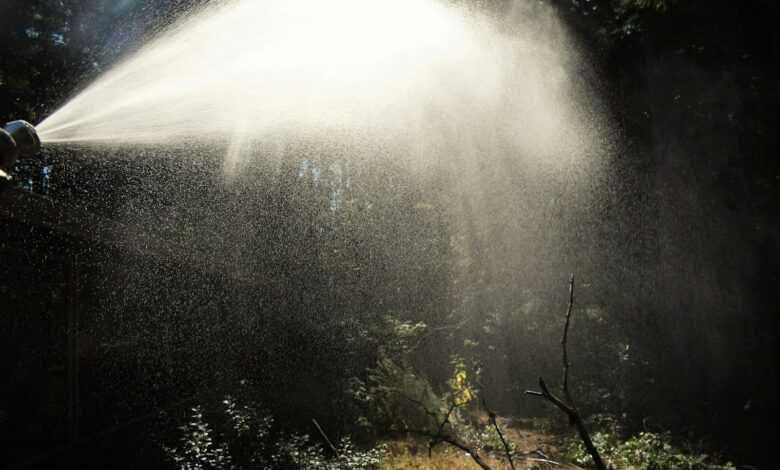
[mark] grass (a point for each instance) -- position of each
(527, 437)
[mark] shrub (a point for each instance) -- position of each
(197, 448)
(247, 442)
(645, 451)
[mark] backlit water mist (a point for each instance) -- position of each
(402, 72)
(283, 189)
(497, 109)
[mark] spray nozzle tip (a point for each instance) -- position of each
(17, 139)
(25, 136)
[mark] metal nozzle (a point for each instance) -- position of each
(26, 137)
(17, 139)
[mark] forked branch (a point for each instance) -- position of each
(568, 406)
(453, 441)
(441, 435)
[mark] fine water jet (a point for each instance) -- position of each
(428, 80)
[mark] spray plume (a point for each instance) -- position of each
(422, 75)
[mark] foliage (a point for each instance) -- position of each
(401, 337)
(297, 451)
(200, 447)
(251, 430)
(658, 5)
(350, 457)
(197, 449)
(246, 419)
(462, 390)
(645, 451)
(395, 395)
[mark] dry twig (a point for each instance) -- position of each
(441, 435)
(325, 436)
(492, 417)
(568, 406)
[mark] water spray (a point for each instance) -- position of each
(18, 139)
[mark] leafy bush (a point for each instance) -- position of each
(247, 442)
(197, 449)
(397, 397)
(394, 395)
(249, 433)
(297, 451)
(350, 457)
(645, 451)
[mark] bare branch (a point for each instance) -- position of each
(447, 417)
(541, 457)
(453, 441)
(564, 340)
(440, 432)
(549, 396)
(568, 407)
(493, 421)
(422, 405)
(324, 436)
(442, 436)
(551, 462)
